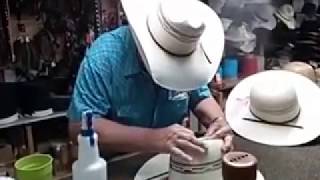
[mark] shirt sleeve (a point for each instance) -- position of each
(90, 91)
(198, 95)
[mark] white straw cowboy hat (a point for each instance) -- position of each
(240, 37)
(182, 41)
(239, 32)
(260, 16)
(275, 107)
(286, 14)
(301, 68)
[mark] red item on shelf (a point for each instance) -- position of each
(248, 65)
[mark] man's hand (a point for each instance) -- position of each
(219, 128)
(179, 141)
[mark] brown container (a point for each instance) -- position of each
(239, 166)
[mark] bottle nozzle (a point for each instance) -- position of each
(86, 127)
(87, 120)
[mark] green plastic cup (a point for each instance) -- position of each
(34, 167)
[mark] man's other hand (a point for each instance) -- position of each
(220, 129)
(178, 141)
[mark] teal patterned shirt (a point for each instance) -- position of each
(113, 83)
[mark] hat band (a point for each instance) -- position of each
(196, 168)
(172, 53)
(170, 36)
(163, 47)
(274, 123)
(284, 17)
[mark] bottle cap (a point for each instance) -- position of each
(87, 120)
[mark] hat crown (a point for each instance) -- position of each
(286, 10)
(177, 31)
(239, 32)
(273, 95)
(206, 166)
(182, 20)
(263, 11)
(213, 153)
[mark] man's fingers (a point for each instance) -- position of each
(228, 145)
(187, 145)
(178, 152)
(221, 132)
(211, 131)
(197, 142)
(186, 122)
(191, 138)
(180, 128)
(186, 130)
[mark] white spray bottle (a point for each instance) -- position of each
(89, 166)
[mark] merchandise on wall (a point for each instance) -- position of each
(277, 31)
(49, 38)
(5, 49)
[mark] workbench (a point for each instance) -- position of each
(275, 163)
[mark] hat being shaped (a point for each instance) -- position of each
(286, 14)
(203, 166)
(275, 107)
(181, 41)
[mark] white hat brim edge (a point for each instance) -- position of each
(172, 72)
(308, 95)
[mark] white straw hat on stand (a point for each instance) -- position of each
(275, 107)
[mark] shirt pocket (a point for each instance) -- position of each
(179, 102)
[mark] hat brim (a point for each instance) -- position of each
(308, 93)
(173, 72)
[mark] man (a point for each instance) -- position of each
(142, 80)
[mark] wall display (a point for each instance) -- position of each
(49, 38)
(5, 49)
(285, 30)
